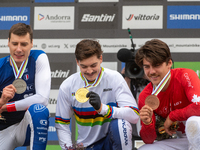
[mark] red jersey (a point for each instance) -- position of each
(180, 101)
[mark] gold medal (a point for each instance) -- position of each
(20, 85)
(81, 95)
(152, 101)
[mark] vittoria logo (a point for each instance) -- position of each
(130, 17)
(143, 17)
(134, 17)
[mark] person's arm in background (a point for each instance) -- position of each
(64, 112)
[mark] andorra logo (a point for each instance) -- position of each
(40, 17)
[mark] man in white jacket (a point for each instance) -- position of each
(101, 101)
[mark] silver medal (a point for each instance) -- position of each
(20, 85)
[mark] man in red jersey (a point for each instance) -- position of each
(178, 95)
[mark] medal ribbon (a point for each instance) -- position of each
(160, 86)
(18, 73)
(97, 80)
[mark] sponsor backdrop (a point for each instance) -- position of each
(60, 24)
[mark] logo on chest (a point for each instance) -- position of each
(177, 103)
(108, 89)
(26, 77)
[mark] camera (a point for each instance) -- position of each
(132, 70)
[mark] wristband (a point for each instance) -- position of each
(11, 107)
(148, 123)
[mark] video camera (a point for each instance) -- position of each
(132, 70)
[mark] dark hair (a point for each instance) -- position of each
(21, 29)
(87, 48)
(155, 51)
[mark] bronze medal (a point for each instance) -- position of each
(81, 95)
(20, 85)
(152, 101)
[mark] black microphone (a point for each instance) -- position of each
(125, 55)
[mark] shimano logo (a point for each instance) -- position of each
(60, 74)
(125, 132)
(109, 89)
(98, 18)
(14, 18)
(184, 17)
(143, 17)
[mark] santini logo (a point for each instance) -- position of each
(143, 17)
(185, 17)
(14, 18)
(97, 18)
(60, 74)
(105, 90)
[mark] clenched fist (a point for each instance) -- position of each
(7, 94)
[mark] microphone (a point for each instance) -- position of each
(125, 55)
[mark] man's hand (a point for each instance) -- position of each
(167, 125)
(94, 100)
(3, 108)
(7, 94)
(146, 114)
